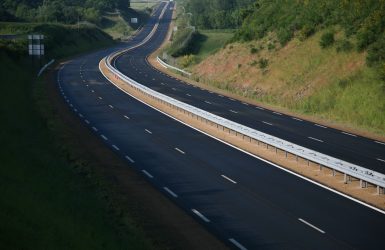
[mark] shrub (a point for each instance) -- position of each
(187, 60)
(376, 52)
(344, 46)
(284, 36)
(327, 39)
(271, 46)
(263, 63)
(305, 32)
(253, 63)
(253, 50)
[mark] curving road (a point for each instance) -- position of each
(246, 202)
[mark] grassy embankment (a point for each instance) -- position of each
(302, 77)
(48, 199)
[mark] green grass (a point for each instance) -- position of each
(48, 200)
(213, 41)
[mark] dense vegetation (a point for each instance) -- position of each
(217, 14)
(64, 11)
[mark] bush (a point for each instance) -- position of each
(284, 36)
(271, 46)
(327, 39)
(253, 50)
(344, 46)
(306, 32)
(376, 52)
(263, 63)
(187, 60)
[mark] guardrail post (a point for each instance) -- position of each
(363, 184)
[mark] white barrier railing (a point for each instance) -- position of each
(172, 67)
(347, 168)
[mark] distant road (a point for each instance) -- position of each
(244, 201)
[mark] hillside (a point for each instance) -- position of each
(321, 59)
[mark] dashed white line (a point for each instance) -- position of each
(231, 99)
(245, 103)
(174, 89)
(204, 218)
(297, 119)
(170, 192)
(115, 147)
(148, 131)
(104, 137)
(94, 129)
(161, 83)
(188, 95)
(318, 125)
(268, 123)
(147, 173)
(75, 110)
(129, 159)
(260, 108)
(227, 178)
(100, 98)
(315, 139)
(277, 113)
(207, 102)
(126, 117)
(311, 225)
(237, 244)
(220, 95)
(93, 91)
(180, 151)
(111, 106)
(380, 159)
(382, 143)
(235, 112)
(87, 121)
(80, 115)
(71, 105)
(345, 133)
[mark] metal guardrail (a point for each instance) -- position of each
(45, 67)
(172, 67)
(347, 168)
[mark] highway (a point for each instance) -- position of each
(246, 202)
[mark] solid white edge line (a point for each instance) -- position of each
(277, 113)
(382, 143)
(170, 192)
(115, 147)
(346, 133)
(260, 108)
(204, 218)
(227, 178)
(250, 154)
(147, 173)
(318, 125)
(311, 225)
(129, 159)
(315, 139)
(297, 119)
(237, 244)
(180, 151)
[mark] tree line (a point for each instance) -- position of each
(63, 11)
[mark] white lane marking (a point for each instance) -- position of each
(237, 244)
(80, 115)
(231, 99)
(318, 125)
(94, 129)
(245, 103)
(87, 121)
(380, 159)
(297, 119)
(111, 106)
(268, 123)
(147, 173)
(382, 143)
(170, 192)
(204, 218)
(277, 113)
(256, 157)
(104, 137)
(174, 89)
(260, 108)
(71, 105)
(148, 131)
(345, 133)
(93, 91)
(162, 83)
(188, 95)
(115, 147)
(227, 178)
(153, 79)
(311, 225)
(126, 117)
(129, 159)
(87, 85)
(100, 98)
(220, 95)
(211, 92)
(315, 139)
(235, 112)
(207, 102)
(180, 151)
(75, 110)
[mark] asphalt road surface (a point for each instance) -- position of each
(246, 202)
